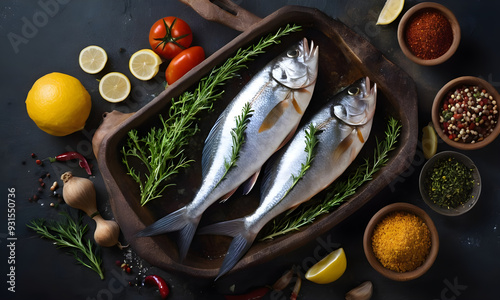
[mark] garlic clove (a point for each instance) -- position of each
(106, 232)
(362, 292)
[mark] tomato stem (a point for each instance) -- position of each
(168, 38)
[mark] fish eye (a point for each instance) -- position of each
(353, 91)
(293, 53)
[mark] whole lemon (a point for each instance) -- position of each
(58, 104)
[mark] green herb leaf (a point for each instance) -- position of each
(311, 142)
(339, 191)
(162, 149)
(238, 137)
(70, 234)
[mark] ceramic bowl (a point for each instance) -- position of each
(379, 216)
(438, 103)
(425, 173)
(455, 26)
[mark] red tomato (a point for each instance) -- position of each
(169, 36)
(183, 62)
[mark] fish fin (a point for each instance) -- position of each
(174, 222)
(343, 146)
(210, 142)
(186, 235)
(171, 222)
(228, 195)
(360, 136)
(274, 115)
(238, 247)
(229, 228)
(250, 183)
(296, 105)
(268, 175)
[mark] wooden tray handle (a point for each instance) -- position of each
(224, 12)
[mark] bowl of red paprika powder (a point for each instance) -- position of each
(465, 113)
(428, 33)
(401, 241)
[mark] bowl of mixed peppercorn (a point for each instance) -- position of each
(429, 34)
(465, 113)
(450, 183)
(401, 241)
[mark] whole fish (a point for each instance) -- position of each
(342, 127)
(277, 96)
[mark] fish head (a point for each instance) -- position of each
(297, 67)
(356, 104)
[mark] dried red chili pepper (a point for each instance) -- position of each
(255, 294)
(73, 155)
(296, 289)
(160, 283)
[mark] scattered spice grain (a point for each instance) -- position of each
(401, 241)
(468, 114)
(429, 34)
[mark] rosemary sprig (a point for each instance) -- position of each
(162, 149)
(238, 137)
(339, 191)
(311, 142)
(70, 234)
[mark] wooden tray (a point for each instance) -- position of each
(344, 57)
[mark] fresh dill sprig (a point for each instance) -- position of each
(70, 234)
(339, 191)
(162, 149)
(238, 137)
(311, 142)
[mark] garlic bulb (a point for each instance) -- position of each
(80, 193)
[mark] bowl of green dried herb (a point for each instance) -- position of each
(450, 183)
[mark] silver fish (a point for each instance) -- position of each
(342, 125)
(278, 95)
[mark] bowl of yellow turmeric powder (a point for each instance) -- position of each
(401, 241)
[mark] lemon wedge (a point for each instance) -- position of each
(92, 59)
(390, 11)
(329, 269)
(429, 141)
(144, 64)
(114, 87)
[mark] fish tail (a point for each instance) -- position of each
(229, 228)
(176, 221)
(242, 241)
(185, 237)
(239, 246)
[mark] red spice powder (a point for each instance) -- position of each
(429, 34)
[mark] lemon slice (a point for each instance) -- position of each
(429, 141)
(329, 268)
(92, 59)
(114, 87)
(144, 64)
(390, 11)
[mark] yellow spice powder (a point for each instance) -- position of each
(401, 241)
